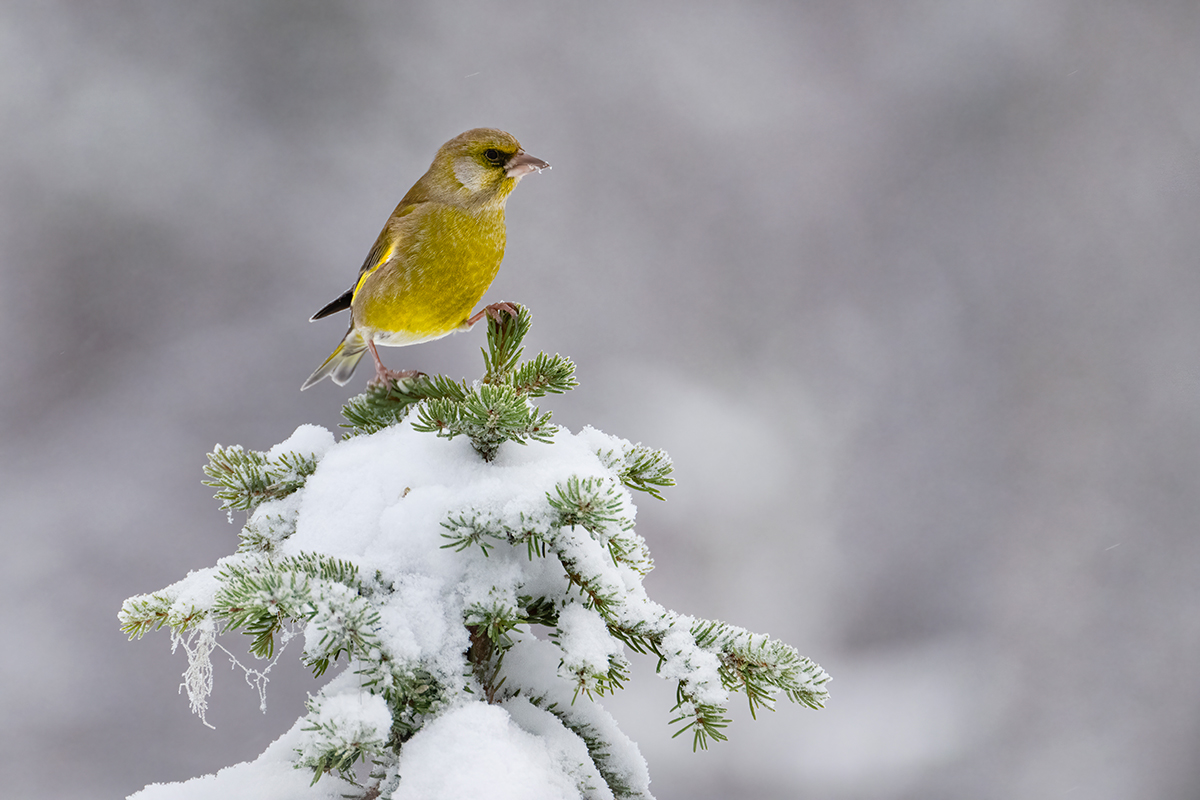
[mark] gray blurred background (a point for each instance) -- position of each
(910, 291)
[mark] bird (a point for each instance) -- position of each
(435, 257)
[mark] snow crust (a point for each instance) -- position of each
(306, 440)
(272, 776)
(478, 750)
(584, 639)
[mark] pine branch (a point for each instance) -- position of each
(467, 532)
(706, 721)
(472, 527)
(324, 567)
(593, 590)
(489, 415)
(496, 621)
(538, 611)
(247, 478)
(760, 668)
(641, 468)
(505, 334)
(257, 598)
(149, 612)
(264, 532)
(412, 692)
(593, 504)
(485, 657)
(707, 658)
(600, 749)
(640, 637)
(385, 404)
(597, 683)
(347, 626)
(544, 375)
(332, 745)
(597, 506)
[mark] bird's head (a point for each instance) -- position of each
(480, 167)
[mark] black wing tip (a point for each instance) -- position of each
(340, 304)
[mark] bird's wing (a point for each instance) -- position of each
(340, 304)
(383, 249)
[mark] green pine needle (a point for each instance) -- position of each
(244, 479)
(505, 334)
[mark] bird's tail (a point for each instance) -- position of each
(340, 365)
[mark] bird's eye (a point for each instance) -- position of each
(494, 156)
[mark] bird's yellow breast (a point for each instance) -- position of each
(435, 267)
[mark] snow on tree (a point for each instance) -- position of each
(424, 564)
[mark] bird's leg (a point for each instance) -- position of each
(494, 311)
(382, 374)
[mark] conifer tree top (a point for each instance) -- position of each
(474, 591)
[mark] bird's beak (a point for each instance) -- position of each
(522, 164)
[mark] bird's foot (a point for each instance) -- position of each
(494, 311)
(385, 376)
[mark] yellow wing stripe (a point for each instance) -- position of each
(387, 254)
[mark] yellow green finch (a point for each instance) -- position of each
(436, 256)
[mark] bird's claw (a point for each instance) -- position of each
(495, 309)
(385, 377)
(493, 312)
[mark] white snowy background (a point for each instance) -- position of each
(910, 292)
